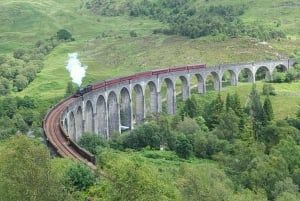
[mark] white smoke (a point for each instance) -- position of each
(77, 72)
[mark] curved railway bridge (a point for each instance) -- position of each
(59, 140)
(112, 105)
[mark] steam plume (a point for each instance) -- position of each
(77, 72)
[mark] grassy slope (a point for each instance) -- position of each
(271, 12)
(104, 43)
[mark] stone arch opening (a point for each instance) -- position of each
(72, 128)
(79, 123)
(279, 74)
(101, 116)
(280, 68)
(262, 73)
(125, 109)
(88, 127)
(197, 84)
(169, 100)
(138, 104)
(182, 88)
(245, 75)
(212, 81)
(151, 104)
(229, 78)
(113, 113)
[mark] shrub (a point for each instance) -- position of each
(91, 141)
(19, 53)
(79, 176)
(63, 34)
(133, 34)
(268, 89)
(143, 136)
(279, 77)
(184, 149)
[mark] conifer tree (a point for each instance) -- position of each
(237, 105)
(239, 111)
(233, 102)
(255, 109)
(215, 110)
(191, 108)
(268, 109)
(219, 107)
(229, 102)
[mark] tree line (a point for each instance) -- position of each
(186, 18)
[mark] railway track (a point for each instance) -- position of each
(59, 140)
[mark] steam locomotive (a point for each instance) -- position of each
(81, 91)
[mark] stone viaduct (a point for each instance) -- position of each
(124, 102)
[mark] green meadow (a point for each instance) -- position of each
(286, 102)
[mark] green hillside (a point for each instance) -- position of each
(104, 42)
(105, 45)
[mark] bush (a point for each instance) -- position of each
(268, 89)
(143, 136)
(91, 141)
(4, 86)
(63, 34)
(133, 34)
(292, 74)
(19, 53)
(279, 77)
(20, 82)
(200, 146)
(79, 176)
(184, 149)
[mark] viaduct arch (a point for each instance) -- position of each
(121, 103)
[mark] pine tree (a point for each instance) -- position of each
(237, 105)
(268, 109)
(191, 108)
(233, 102)
(255, 109)
(219, 107)
(215, 110)
(229, 102)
